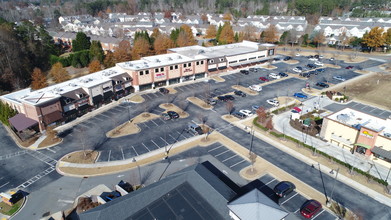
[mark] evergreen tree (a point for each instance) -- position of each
(219, 32)
(96, 51)
(82, 42)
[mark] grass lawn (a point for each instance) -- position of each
(10, 210)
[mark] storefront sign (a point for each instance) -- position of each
(160, 75)
(366, 134)
(188, 70)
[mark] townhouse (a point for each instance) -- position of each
(65, 101)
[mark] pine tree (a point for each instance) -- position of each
(38, 79)
(96, 51)
(82, 42)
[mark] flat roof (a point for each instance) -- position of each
(155, 61)
(54, 92)
(358, 119)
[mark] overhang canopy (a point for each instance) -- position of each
(381, 152)
(20, 122)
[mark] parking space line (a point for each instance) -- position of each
(172, 137)
(215, 148)
(289, 198)
(83, 125)
(145, 146)
(364, 107)
(103, 115)
(123, 156)
(155, 144)
(50, 150)
(164, 140)
(163, 120)
(179, 88)
(237, 163)
(296, 211)
(109, 156)
(154, 123)
(382, 112)
(373, 110)
(145, 125)
(115, 110)
(270, 181)
(99, 119)
(229, 158)
(318, 214)
(135, 151)
(355, 104)
(221, 153)
(157, 96)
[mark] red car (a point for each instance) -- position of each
(310, 208)
(264, 79)
(349, 67)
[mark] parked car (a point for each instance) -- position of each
(165, 117)
(173, 115)
(264, 79)
(310, 208)
(305, 74)
(297, 54)
(283, 188)
(300, 95)
(298, 69)
(245, 72)
(349, 67)
(252, 69)
(322, 84)
(239, 115)
(331, 59)
(164, 90)
(287, 58)
(283, 74)
(195, 129)
(311, 66)
(273, 102)
(313, 59)
(230, 97)
(256, 88)
(321, 70)
(318, 63)
(211, 101)
(277, 59)
(255, 107)
(274, 75)
(222, 98)
(246, 112)
(313, 72)
(339, 78)
(240, 93)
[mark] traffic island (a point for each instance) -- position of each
(135, 99)
(332, 66)
(246, 90)
(172, 90)
(130, 127)
(172, 107)
(200, 103)
(218, 78)
(230, 118)
(291, 61)
(81, 157)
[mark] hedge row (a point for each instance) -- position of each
(283, 109)
(279, 135)
(76, 59)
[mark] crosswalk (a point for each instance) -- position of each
(7, 156)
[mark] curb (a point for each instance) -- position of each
(21, 207)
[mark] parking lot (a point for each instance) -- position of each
(292, 202)
(227, 157)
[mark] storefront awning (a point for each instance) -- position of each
(363, 145)
(235, 65)
(20, 122)
(52, 117)
(381, 152)
(222, 67)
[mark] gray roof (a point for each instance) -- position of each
(381, 152)
(255, 205)
(193, 193)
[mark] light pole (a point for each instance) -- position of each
(324, 188)
(332, 191)
(165, 139)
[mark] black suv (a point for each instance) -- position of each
(239, 115)
(322, 84)
(173, 115)
(245, 72)
(283, 74)
(310, 65)
(287, 58)
(164, 90)
(240, 93)
(230, 97)
(222, 98)
(284, 188)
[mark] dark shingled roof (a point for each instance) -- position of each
(193, 193)
(21, 122)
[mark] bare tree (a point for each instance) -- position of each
(229, 106)
(269, 124)
(262, 115)
(202, 118)
(82, 137)
(293, 37)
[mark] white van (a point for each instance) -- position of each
(274, 76)
(257, 88)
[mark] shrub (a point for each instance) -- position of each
(337, 99)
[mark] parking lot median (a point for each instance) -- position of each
(200, 103)
(130, 127)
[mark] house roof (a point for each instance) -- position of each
(255, 205)
(193, 193)
(21, 122)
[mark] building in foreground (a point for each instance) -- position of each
(359, 132)
(199, 192)
(67, 100)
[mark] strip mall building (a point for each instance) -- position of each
(67, 100)
(359, 132)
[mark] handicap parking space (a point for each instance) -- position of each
(292, 202)
(227, 157)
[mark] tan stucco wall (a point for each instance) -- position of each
(383, 141)
(338, 129)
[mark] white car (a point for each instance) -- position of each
(273, 102)
(339, 78)
(318, 63)
(297, 70)
(256, 88)
(313, 59)
(298, 55)
(246, 112)
(274, 76)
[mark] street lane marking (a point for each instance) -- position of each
(50, 150)
(288, 199)
(382, 112)
(4, 184)
(270, 181)
(99, 119)
(123, 156)
(164, 140)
